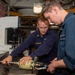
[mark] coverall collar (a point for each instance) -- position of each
(68, 15)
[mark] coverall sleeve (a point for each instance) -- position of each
(23, 46)
(69, 58)
(46, 46)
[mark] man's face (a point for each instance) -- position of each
(52, 17)
(42, 27)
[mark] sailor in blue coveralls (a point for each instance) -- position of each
(64, 64)
(43, 39)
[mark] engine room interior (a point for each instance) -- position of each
(18, 20)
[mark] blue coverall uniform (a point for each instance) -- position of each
(46, 46)
(66, 45)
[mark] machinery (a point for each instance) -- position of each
(32, 66)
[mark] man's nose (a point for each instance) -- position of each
(43, 29)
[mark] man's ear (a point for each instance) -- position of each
(55, 9)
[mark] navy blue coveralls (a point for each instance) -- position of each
(46, 46)
(66, 45)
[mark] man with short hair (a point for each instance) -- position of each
(45, 42)
(65, 62)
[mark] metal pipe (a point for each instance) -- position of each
(12, 62)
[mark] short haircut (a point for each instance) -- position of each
(48, 4)
(42, 19)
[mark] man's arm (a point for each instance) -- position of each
(23, 46)
(46, 46)
(26, 44)
(69, 58)
(56, 64)
(43, 49)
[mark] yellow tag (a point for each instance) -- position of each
(38, 43)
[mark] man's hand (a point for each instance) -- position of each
(55, 59)
(51, 68)
(25, 60)
(7, 60)
(56, 64)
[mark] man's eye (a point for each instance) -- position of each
(47, 17)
